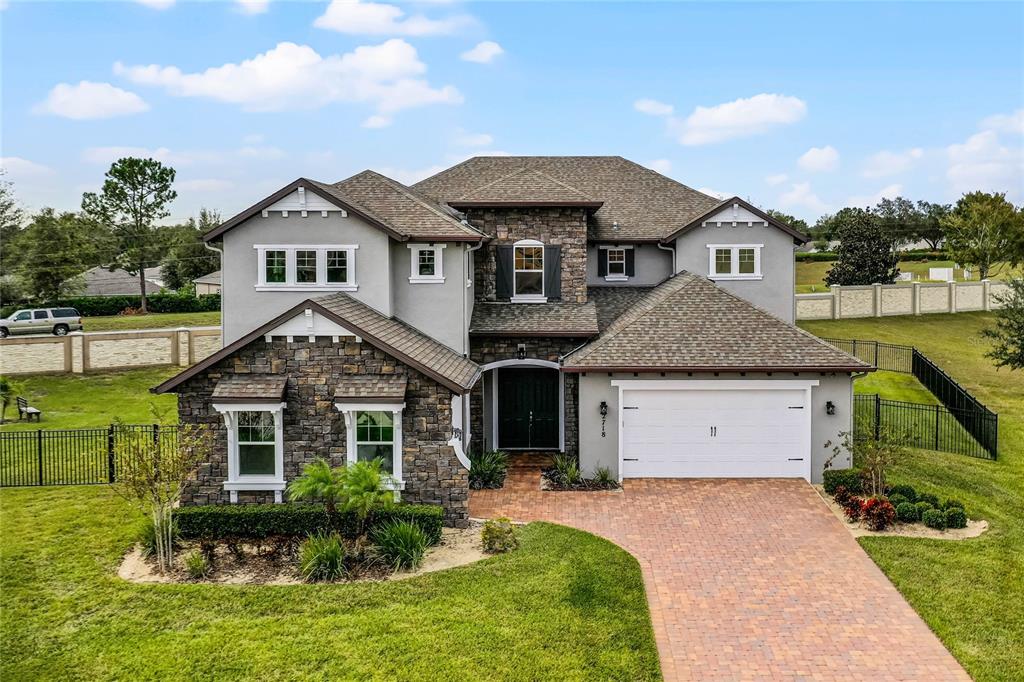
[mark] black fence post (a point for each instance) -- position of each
(878, 416)
(936, 427)
(39, 453)
(876, 354)
(111, 477)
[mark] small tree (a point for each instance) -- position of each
(929, 228)
(135, 194)
(152, 471)
(9, 389)
(1008, 333)
(364, 490)
(874, 456)
(53, 250)
(866, 253)
(983, 230)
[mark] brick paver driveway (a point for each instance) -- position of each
(746, 579)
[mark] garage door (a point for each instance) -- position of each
(716, 433)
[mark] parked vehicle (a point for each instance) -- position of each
(56, 321)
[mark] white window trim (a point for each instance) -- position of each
(414, 261)
(610, 277)
(349, 410)
(321, 267)
(529, 298)
(237, 481)
(734, 275)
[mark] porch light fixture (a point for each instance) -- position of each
(521, 351)
(830, 408)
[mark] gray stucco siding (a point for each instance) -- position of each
(774, 291)
(246, 308)
(596, 451)
(653, 266)
(436, 309)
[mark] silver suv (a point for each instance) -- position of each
(57, 321)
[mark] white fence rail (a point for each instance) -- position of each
(918, 298)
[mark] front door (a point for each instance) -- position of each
(528, 408)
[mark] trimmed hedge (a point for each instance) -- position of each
(92, 306)
(907, 512)
(851, 479)
(829, 256)
(933, 518)
(261, 521)
(816, 256)
(956, 518)
(906, 491)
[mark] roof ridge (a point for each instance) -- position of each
(417, 197)
(563, 184)
(327, 187)
(662, 175)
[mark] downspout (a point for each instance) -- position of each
(673, 250)
(465, 293)
(219, 252)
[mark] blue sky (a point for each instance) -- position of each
(801, 107)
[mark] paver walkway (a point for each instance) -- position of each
(746, 579)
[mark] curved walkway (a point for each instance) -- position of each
(746, 579)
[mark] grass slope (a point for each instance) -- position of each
(150, 321)
(970, 592)
(567, 605)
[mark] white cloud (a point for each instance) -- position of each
(248, 153)
(204, 185)
(466, 139)
(982, 162)
(653, 107)
(800, 195)
(377, 121)
(663, 166)
(89, 100)
(157, 4)
(18, 167)
(776, 179)
(483, 53)
(886, 163)
(819, 159)
(252, 6)
(291, 76)
(865, 200)
(373, 18)
(713, 193)
(740, 118)
(1006, 123)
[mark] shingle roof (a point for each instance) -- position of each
(212, 278)
(612, 302)
(689, 324)
(524, 186)
(646, 205)
(372, 388)
(406, 211)
(549, 319)
(403, 341)
(250, 388)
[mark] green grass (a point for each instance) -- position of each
(810, 276)
(895, 386)
(566, 605)
(970, 592)
(151, 321)
(84, 400)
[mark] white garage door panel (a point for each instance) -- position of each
(709, 433)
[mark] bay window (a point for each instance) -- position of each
(306, 267)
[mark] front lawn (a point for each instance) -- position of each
(566, 605)
(90, 400)
(150, 321)
(970, 592)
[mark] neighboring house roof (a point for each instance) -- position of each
(525, 187)
(372, 389)
(99, 281)
(250, 388)
(549, 319)
(689, 324)
(644, 205)
(400, 211)
(212, 278)
(612, 302)
(407, 344)
(800, 237)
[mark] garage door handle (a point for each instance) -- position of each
(627, 407)
(796, 459)
(628, 459)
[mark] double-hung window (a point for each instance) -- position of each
(306, 267)
(374, 432)
(256, 448)
(426, 263)
(734, 261)
(255, 435)
(528, 271)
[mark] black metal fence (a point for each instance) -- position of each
(931, 427)
(71, 456)
(979, 422)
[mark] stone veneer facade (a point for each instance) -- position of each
(488, 349)
(564, 227)
(313, 428)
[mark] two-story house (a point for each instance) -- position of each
(585, 305)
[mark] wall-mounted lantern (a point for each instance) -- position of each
(830, 408)
(521, 351)
(604, 417)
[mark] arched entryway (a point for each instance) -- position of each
(524, 405)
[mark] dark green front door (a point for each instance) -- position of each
(528, 407)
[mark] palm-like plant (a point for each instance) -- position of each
(320, 481)
(363, 490)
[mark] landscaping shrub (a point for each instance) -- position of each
(401, 544)
(322, 557)
(263, 521)
(196, 565)
(487, 469)
(851, 479)
(853, 508)
(565, 470)
(603, 477)
(956, 518)
(906, 491)
(934, 518)
(499, 535)
(877, 513)
(897, 499)
(922, 507)
(933, 500)
(951, 503)
(841, 495)
(907, 512)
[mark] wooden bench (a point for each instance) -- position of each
(26, 411)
